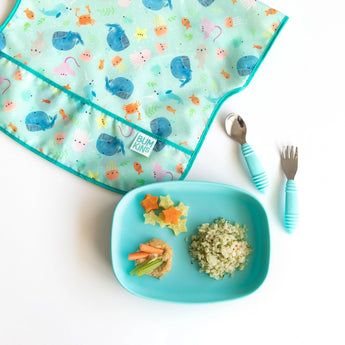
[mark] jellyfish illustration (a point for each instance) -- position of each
(248, 4)
(268, 34)
(139, 58)
(230, 22)
(112, 173)
(160, 28)
(117, 62)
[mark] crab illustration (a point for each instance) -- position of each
(84, 19)
(132, 108)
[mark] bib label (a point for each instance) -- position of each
(143, 144)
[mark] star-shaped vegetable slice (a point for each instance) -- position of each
(179, 227)
(165, 202)
(183, 208)
(171, 215)
(150, 203)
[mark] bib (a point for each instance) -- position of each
(122, 93)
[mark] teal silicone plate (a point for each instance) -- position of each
(184, 283)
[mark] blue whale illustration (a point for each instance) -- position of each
(180, 69)
(161, 127)
(56, 11)
(117, 39)
(2, 41)
(246, 64)
(206, 2)
(39, 121)
(156, 5)
(63, 40)
(108, 145)
(120, 87)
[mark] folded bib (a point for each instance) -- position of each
(122, 93)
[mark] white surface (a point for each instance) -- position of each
(56, 281)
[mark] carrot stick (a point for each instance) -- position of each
(138, 255)
(151, 249)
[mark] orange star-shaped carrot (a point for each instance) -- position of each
(150, 203)
(171, 215)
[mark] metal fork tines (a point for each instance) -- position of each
(290, 162)
(289, 158)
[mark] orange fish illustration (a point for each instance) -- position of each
(183, 143)
(195, 100)
(225, 74)
(67, 87)
(101, 64)
(29, 14)
(18, 56)
(18, 75)
(257, 47)
(186, 23)
(271, 11)
(171, 109)
(62, 113)
(46, 101)
(137, 167)
(234, 2)
(14, 128)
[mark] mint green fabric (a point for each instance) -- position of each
(77, 84)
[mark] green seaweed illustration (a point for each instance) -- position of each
(192, 112)
(151, 83)
(106, 11)
(214, 85)
(172, 18)
(217, 9)
(66, 22)
(74, 119)
(58, 155)
(27, 26)
(202, 80)
(140, 182)
(189, 37)
(193, 13)
(93, 39)
(206, 107)
(41, 21)
(124, 163)
(151, 110)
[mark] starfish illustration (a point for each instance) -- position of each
(93, 175)
(102, 121)
(140, 34)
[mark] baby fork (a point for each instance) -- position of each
(289, 159)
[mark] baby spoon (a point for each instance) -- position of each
(237, 130)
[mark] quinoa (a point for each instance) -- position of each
(220, 248)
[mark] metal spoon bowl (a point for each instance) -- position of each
(237, 130)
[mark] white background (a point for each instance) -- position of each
(56, 280)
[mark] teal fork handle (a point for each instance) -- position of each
(291, 206)
(255, 168)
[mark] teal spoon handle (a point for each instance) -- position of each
(291, 206)
(255, 168)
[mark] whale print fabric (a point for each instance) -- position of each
(80, 79)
